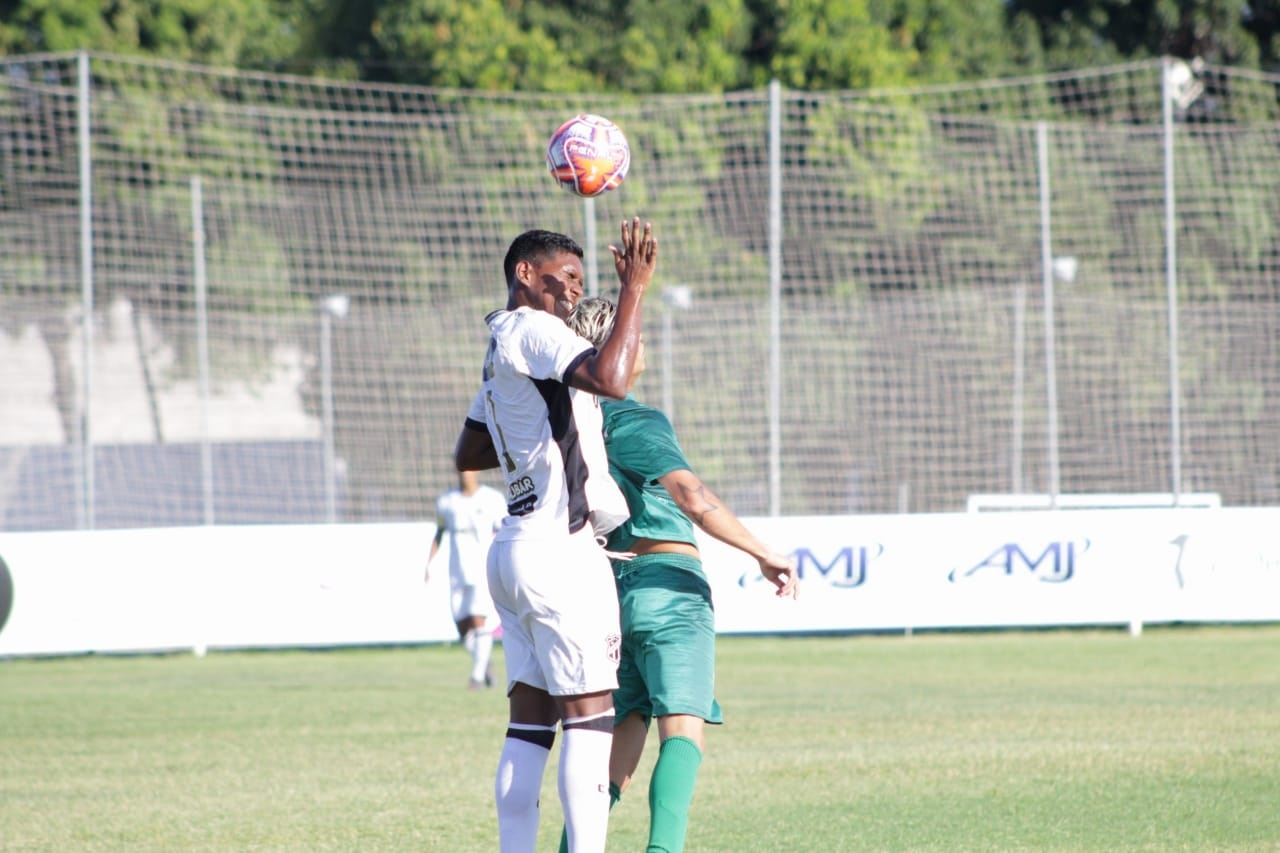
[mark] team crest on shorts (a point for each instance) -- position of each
(613, 647)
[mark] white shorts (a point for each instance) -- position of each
(470, 601)
(559, 610)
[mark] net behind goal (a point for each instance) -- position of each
(232, 298)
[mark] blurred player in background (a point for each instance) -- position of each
(668, 626)
(537, 418)
(470, 515)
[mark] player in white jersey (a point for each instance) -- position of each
(469, 515)
(550, 580)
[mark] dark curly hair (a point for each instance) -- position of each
(535, 246)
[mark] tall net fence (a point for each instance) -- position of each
(234, 298)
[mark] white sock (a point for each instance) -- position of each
(481, 650)
(584, 785)
(516, 789)
(469, 640)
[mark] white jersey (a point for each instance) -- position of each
(470, 520)
(546, 434)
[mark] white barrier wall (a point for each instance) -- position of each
(299, 586)
(1075, 567)
(236, 586)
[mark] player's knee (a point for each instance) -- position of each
(683, 725)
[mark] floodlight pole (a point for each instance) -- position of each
(87, 506)
(202, 343)
(1169, 95)
(1050, 357)
(775, 297)
(592, 260)
(676, 297)
(1019, 385)
(332, 308)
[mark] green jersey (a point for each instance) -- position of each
(642, 447)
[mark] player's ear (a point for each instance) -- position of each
(524, 271)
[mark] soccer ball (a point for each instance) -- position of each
(588, 155)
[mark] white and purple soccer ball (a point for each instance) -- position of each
(588, 155)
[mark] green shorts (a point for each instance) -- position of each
(668, 639)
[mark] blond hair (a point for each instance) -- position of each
(592, 318)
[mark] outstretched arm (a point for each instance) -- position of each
(705, 509)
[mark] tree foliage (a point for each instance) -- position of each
(652, 45)
(952, 41)
(235, 33)
(471, 44)
(1224, 32)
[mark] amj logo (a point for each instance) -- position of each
(846, 569)
(6, 593)
(1055, 564)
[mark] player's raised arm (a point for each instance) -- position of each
(608, 372)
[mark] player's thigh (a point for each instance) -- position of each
(670, 631)
(631, 697)
(518, 651)
(531, 706)
(564, 595)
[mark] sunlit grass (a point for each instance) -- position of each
(1053, 740)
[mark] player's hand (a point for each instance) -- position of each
(638, 255)
(781, 572)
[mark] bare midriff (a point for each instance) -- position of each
(658, 546)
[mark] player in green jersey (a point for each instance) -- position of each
(667, 669)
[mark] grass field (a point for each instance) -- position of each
(1054, 740)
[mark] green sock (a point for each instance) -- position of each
(615, 794)
(671, 792)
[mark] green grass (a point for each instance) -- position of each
(1054, 740)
